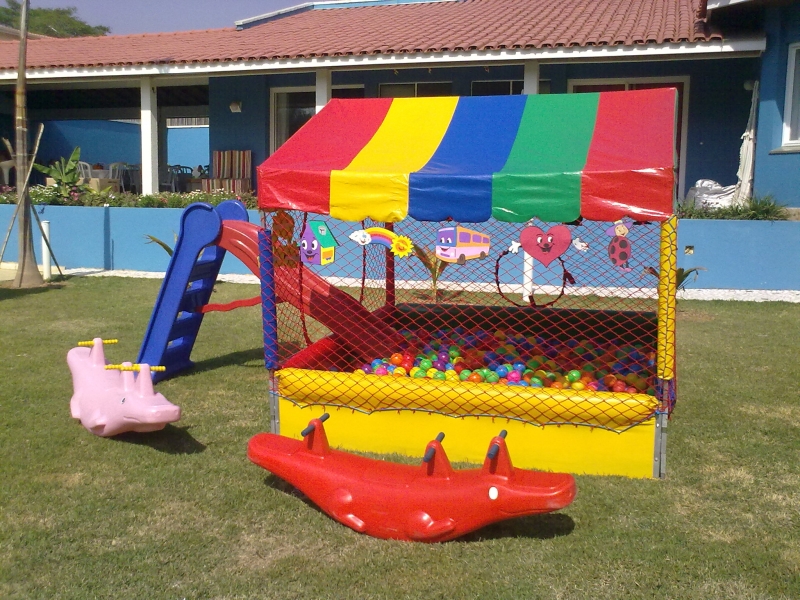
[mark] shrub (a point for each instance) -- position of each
(50, 195)
(764, 208)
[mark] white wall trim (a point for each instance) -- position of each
(149, 125)
(732, 48)
(794, 57)
(685, 79)
(530, 78)
(323, 88)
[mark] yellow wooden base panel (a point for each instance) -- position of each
(564, 448)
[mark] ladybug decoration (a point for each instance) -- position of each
(620, 248)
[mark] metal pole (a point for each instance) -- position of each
(46, 273)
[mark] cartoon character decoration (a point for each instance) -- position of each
(317, 244)
(284, 249)
(544, 246)
(399, 245)
(620, 248)
(458, 244)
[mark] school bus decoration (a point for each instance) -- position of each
(458, 244)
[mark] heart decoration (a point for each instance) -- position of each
(545, 246)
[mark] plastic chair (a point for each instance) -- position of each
(116, 171)
(85, 169)
(170, 183)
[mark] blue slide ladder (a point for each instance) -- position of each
(187, 286)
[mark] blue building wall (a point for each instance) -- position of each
(247, 130)
(100, 141)
(187, 146)
(776, 173)
(718, 103)
(737, 254)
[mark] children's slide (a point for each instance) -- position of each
(207, 233)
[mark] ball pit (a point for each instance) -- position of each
(505, 357)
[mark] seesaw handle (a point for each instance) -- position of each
(311, 427)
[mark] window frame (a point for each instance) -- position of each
(791, 66)
(510, 83)
(273, 106)
(416, 85)
(684, 79)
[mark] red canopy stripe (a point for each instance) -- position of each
(336, 135)
(629, 169)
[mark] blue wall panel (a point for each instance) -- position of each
(777, 174)
(754, 255)
(737, 254)
(187, 146)
(100, 141)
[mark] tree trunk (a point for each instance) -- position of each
(27, 271)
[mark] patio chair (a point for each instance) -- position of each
(85, 169)
(230, 171)
(115, 171)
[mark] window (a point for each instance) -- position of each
(463, 237)
(418, 90)
(791, 112)
(681, 83)
(291, 108)
(505, 87)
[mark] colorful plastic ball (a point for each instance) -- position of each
(425, 364)
(475, 377)
(514, 376)
(454, 351)
(438, 365)
(537, 380)
(492, 378)
(381, 370)
(366, 368)
(396, 359)
(593, 385)
(439, 376)
(458, 367)
(631, 390)
(399, 372)
(464, 375)
(431, 372)
(376, 363)
(574, 375)
(501, 371)
(578, 385)
(518, 365)
(451, 375)
(557, 385)
(419, 374)
(618, 386)
(443, 356)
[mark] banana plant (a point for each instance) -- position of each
(65, 173)
(434, 265)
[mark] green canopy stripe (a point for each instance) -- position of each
(542, 176)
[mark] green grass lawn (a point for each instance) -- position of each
(182, 513)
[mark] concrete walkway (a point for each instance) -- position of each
(7, 274)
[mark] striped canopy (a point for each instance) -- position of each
(555, 157)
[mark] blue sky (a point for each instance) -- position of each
(148, 16)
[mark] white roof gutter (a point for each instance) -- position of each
(737, 48)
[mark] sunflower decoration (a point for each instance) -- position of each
(402, 246)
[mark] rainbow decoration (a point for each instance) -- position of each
(399, 245)
(602, 156)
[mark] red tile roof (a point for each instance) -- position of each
(464, 25)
